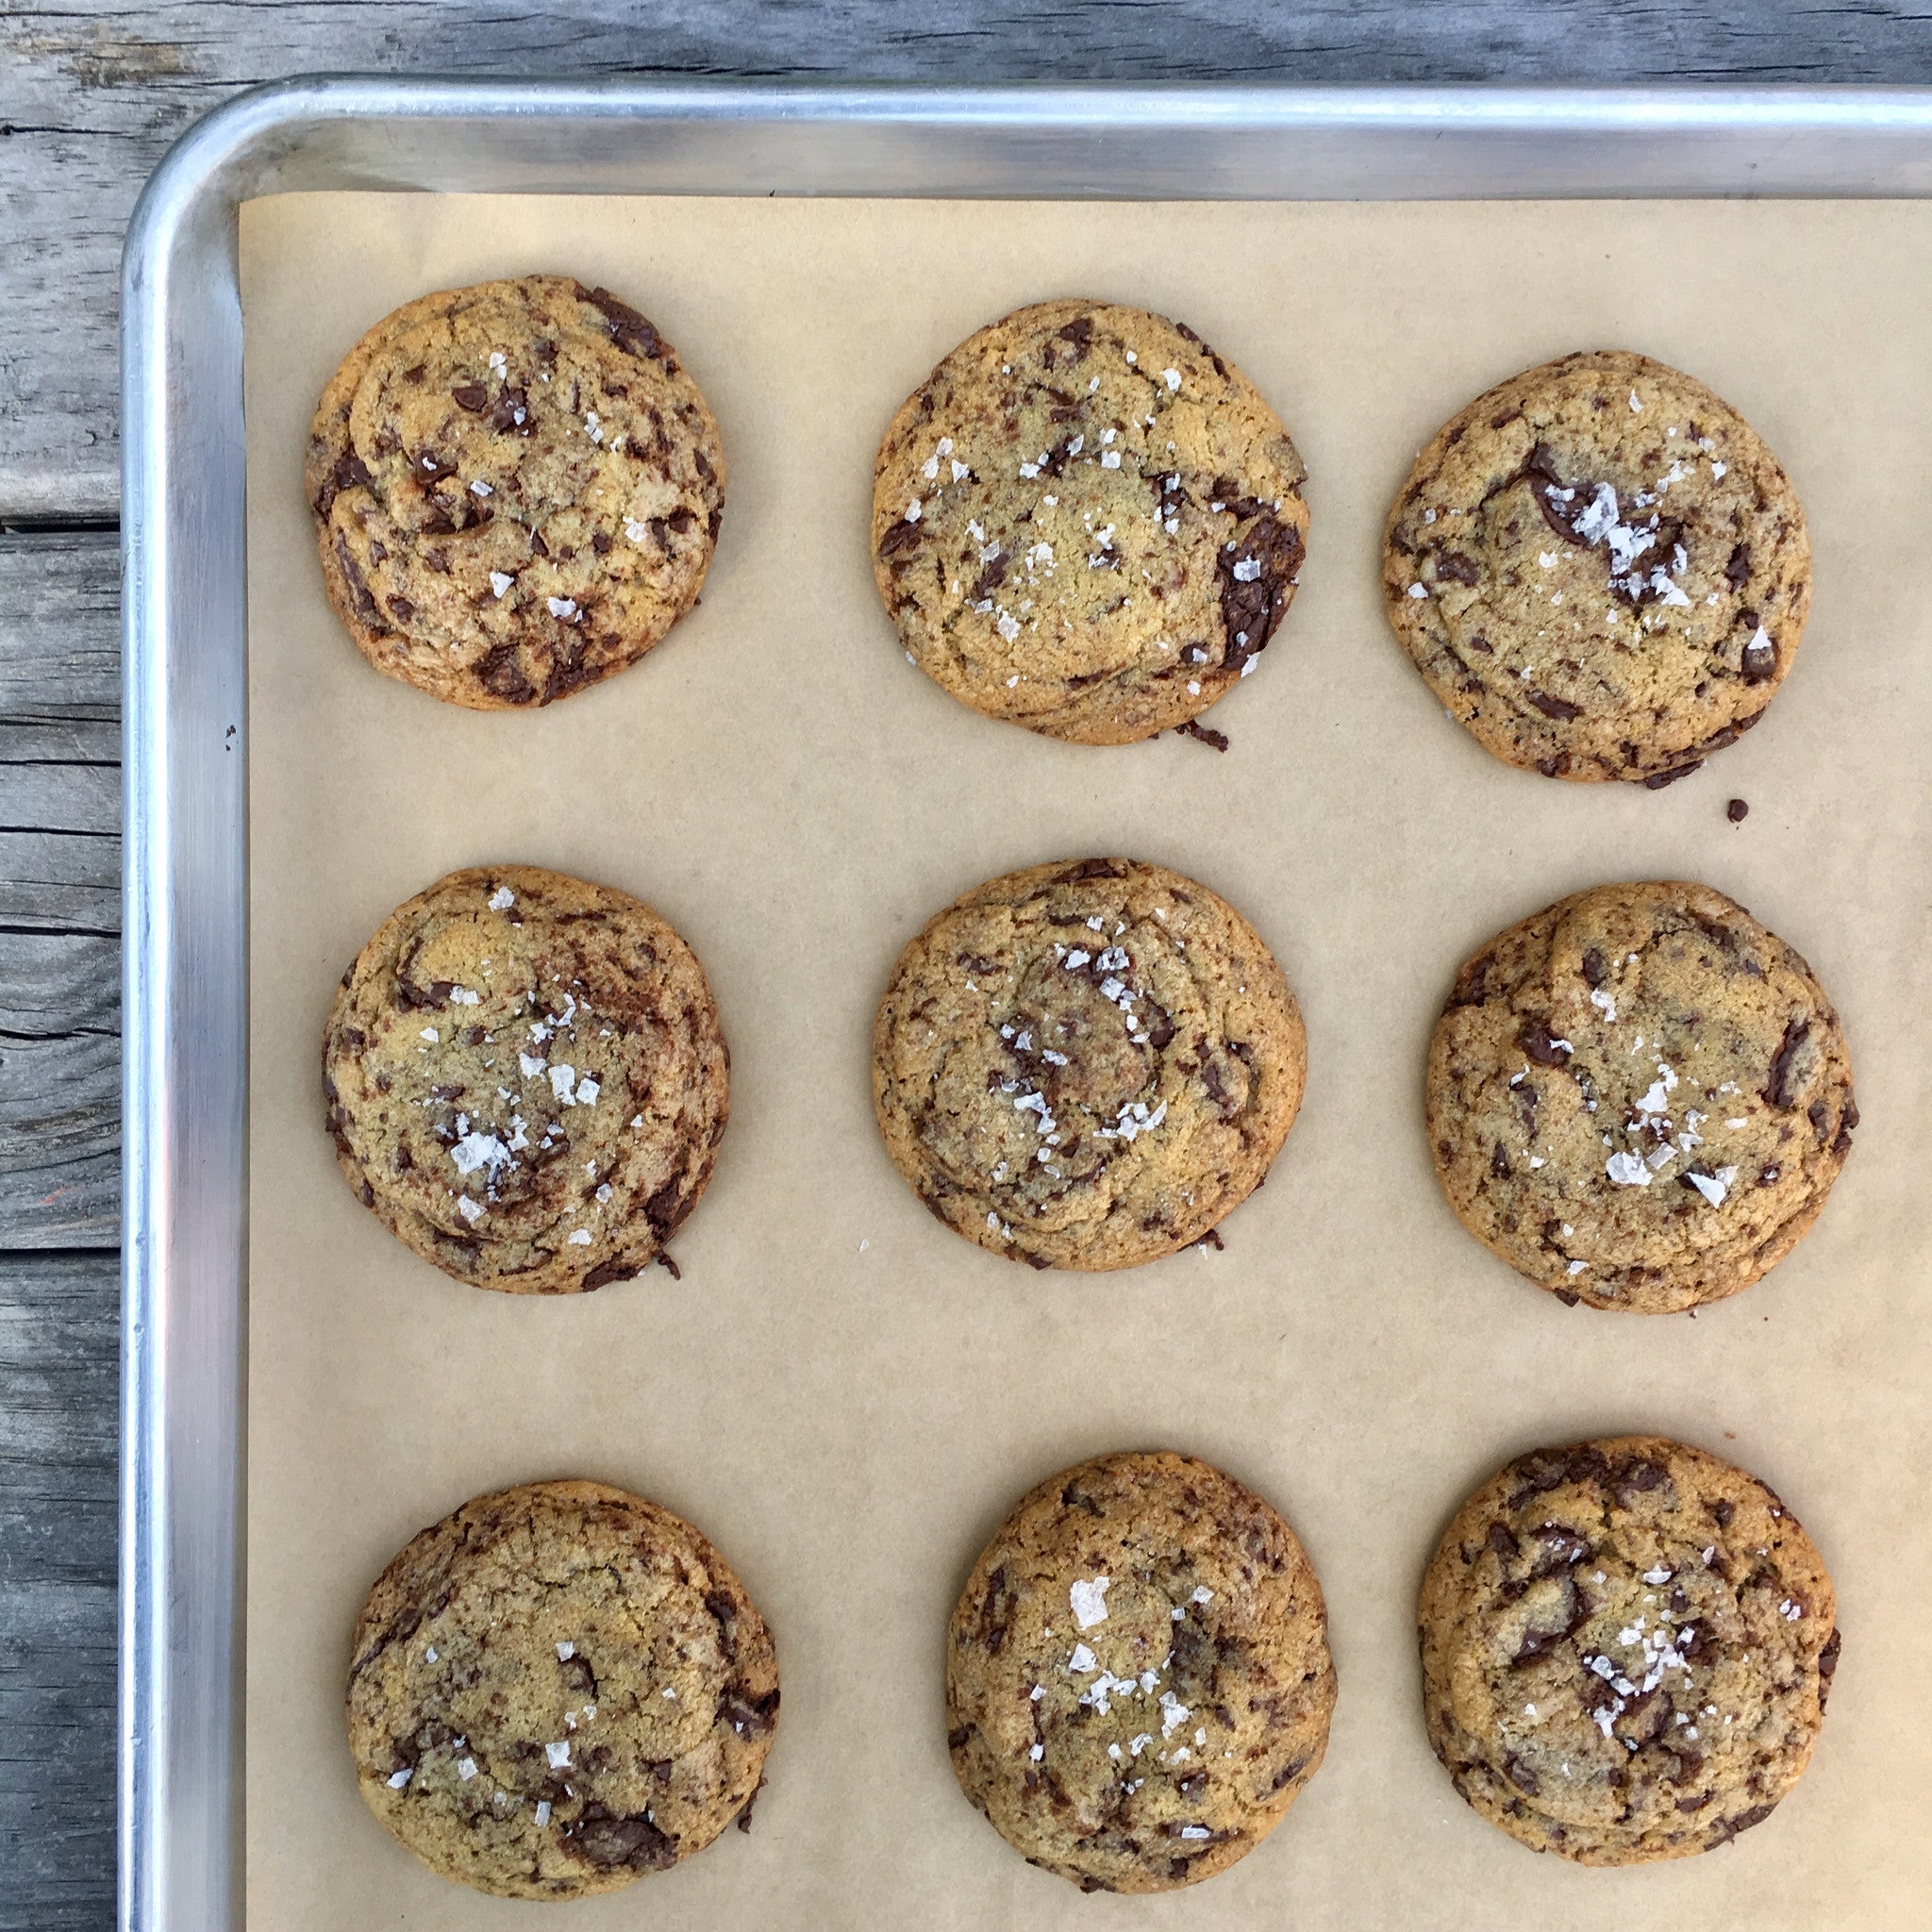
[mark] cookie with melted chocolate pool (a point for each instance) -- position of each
(517, 489)
(1627, 1650)
(1088, 522)
(1600, 569)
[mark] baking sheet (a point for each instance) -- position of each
(845, 1398)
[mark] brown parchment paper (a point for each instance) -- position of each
(847, 1398)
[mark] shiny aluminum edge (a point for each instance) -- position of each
(184, 952)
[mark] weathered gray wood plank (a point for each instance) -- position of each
(58, 1321)
(59, 645)
(59, 893)
(92, 94)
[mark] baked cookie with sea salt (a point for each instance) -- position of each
(1138, 1677)
(1599, 570)
(525, 1081)
(1087, 1064)
(1627, 1650)
(1640, 1098)
(1088, 522)
(558, 1688)
(517, 489)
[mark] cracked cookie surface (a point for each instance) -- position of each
(558, 1688)
(1599, 570)
(1088, 522)
(517, 489)
(525, 1079)
(1640, 1097)
(1137, 1676)
(1087, 1064)
(1627, 1649)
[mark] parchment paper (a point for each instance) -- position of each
(847, 1398)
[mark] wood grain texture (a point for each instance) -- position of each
(90, 97)
(92, 94)
(60, 892)
(59, 1316)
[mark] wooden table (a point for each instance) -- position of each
(90, 97)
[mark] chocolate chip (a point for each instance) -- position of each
(957, 1740)
(1252, 607)
(1658, 780)
(1777, 1089)
(901, 537)
(665, 1210)
(1567, 1296)
(1595, 968)
(1536, 1040)
(471, 397)
(1458, 568)
(1738, 567)
(600, 541)
(1519, 1773)
(1759, 661)
(1559, 709)
(992, 572)
(1080, 332)
(501, 673)
(1737, 811)
(609, 1840)
(1499, 1162)
(365, 607)
(1827, 1665)
(349, 473)
(1206, 734)
(513, 403)
(606, 1272)
(1503, 1540)
(628, 329)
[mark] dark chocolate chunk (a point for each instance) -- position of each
(606, 1840)
(1777, 1089)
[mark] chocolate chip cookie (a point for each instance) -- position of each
(1627, 1650)
(1640, 1097)
(517, 489)
(1137, 1679)
(558, 1688)
(1599, 570)
(1087, 1064)
(525, 1080)
(1087, 522)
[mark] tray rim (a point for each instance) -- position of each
(184, 786)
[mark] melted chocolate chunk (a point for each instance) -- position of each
(628, 329)
(1536, 1040)
(603, 1838)
(1257, 581)
(1778, 1090)
(1759, 659)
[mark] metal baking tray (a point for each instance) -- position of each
(185, 731)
